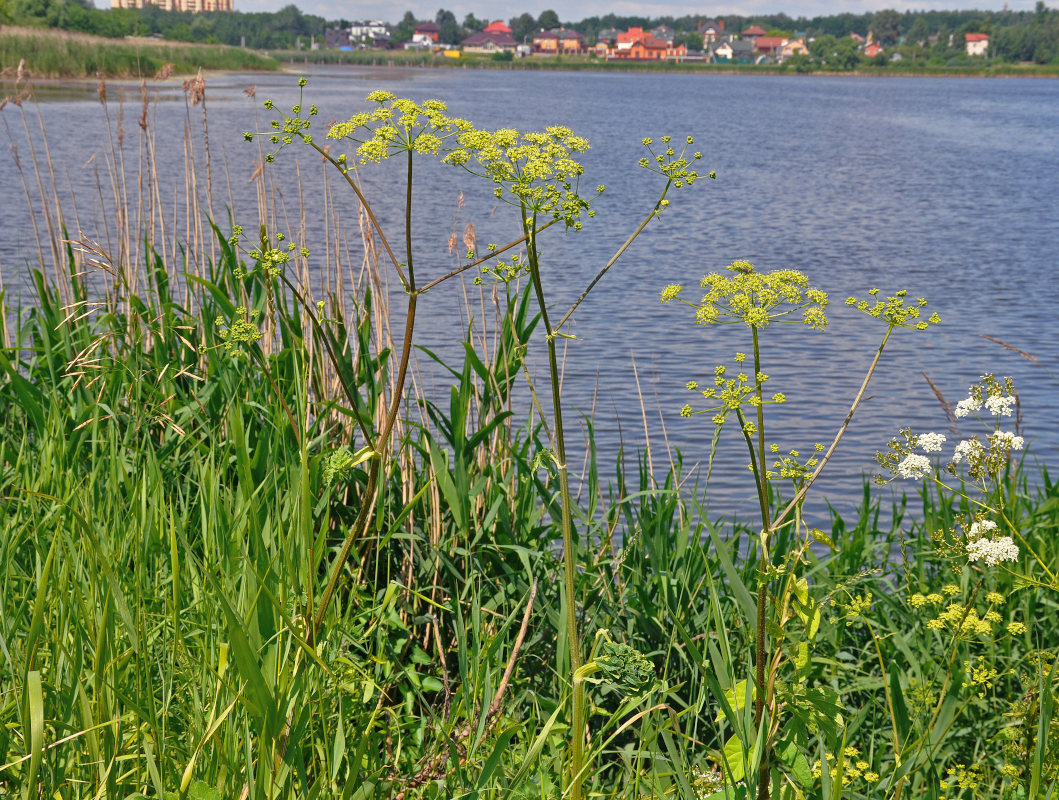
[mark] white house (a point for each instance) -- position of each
(977, 44)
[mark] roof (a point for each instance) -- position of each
(559, 33)
(711, 23)
(755, 30)
(427, 27)
(770, 42)
(498, 38)
(497, 27)
(976, 37)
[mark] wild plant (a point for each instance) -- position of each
(772, 747)
(987, 552)
(539, 176)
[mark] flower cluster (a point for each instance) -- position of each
(756, 298)
(536, 171)
(505, 271)
(284, 131)
(242, 329)
(270, 259)
(901, 458)
(984, 460)
(789, 465)
(895, 311)
(997, 396)
(729, 394)
(965, 620)
(853, 767)
(399, 125)
(675, 167)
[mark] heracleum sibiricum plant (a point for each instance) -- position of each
(788, 712)
(539, 176)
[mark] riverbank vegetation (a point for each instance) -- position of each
(244, 556)
(955, 67)
(59, 54)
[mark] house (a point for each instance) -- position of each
(733, 51)
(665, 33)
(369, 30)
(768, 45)
(977, 44)
(793, 47)
(753, 32)
(337, 38)
(490, 42)
(872, 49)
(637, 45)
(426, 30)
(711, 31)
(558, 41)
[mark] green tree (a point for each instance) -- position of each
(918, 32)
(886, 25)
(548, 20)
(690, 39)
(522, 27)
(404, 29)
(838, 54)
(471, 24)
(449, 30)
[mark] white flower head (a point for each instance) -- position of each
(931, 442)
(1000, 405)
(915, 466)
(981, 528)
(968, 449)
(993, 551)
(965, 407)
(1010, 440)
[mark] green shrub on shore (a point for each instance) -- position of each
(57, 54)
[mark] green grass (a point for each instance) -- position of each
(56, 54)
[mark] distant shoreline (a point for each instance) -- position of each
(291, 60)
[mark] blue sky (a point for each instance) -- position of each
(573, 10)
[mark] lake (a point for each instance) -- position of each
(944, 187)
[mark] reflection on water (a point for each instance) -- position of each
(944, 187)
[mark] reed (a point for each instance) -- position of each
(62, 54)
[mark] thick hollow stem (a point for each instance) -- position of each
(760, 653)
(577, 728)
(360, 524)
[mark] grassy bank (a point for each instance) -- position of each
(57, 54)
(239, 557)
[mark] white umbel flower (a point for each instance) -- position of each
(931, 442)
(993, 551)
(965, 407)
(1010, 439)
(1000, 405)
(981, 528)
(915, 467)
(967, 449)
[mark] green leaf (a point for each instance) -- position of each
(733, 763)
(200, 790)
(822, 537)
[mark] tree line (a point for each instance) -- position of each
(930, 35)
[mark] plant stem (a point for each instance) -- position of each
(763, 566)
(360, 524)
(577, 728)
